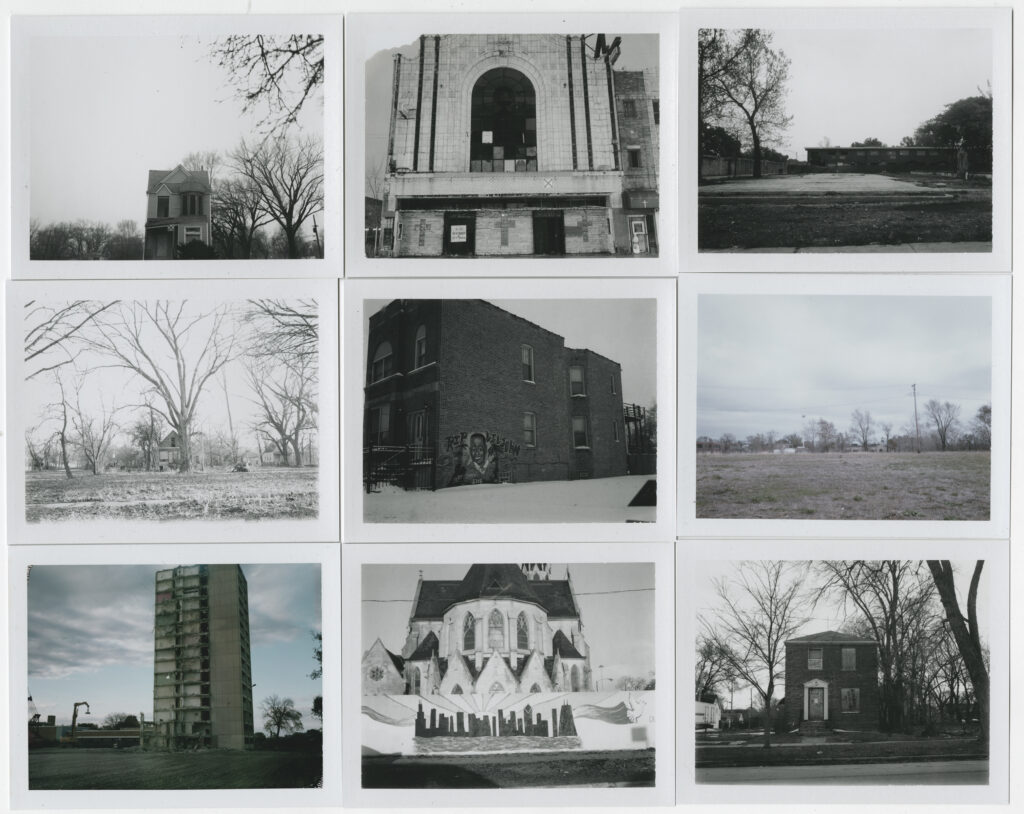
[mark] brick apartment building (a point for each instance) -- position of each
(831, 682)
(517, 144)
(483, 396)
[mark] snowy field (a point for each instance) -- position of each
(603, 500)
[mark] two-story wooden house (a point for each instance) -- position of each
(179, 203)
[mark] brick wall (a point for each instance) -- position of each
(864, 677)
(603, 409)
(421, 233)
(586, 231)
(508, 231)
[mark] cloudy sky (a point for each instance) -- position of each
(856, 83)
(107, 109)
(624, 330)
(90, 637)
(772, 362)
(639, 51)
(825, 615)
(616, 603)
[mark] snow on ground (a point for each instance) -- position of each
(602, 500)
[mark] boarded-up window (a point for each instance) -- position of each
(849, 658)
(814, 658)
(850, 699)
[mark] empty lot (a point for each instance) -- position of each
(845, 486)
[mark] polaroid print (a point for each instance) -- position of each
(531, 410)
(835, 405)
(175, 676)
(808, 143)
(539, 144)
(885, 677)
(541, 679)
(210, 417)
(218, 144)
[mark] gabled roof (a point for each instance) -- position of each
(195, 181)
(494, 580)
(428, 647)
(831, 637)
(561, 644)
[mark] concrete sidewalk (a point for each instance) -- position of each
(897, 248)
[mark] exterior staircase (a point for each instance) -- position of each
(814, 728)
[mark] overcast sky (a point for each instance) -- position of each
(90, 637)
(616, 603)
(106, 110)
(851, 84)
(823, 616)
(624, 330)
(638, 51)
(768, 362)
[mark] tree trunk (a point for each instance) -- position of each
(185, 445)
(757, 148)
(297, 447)
(64, 452)
(769, 692)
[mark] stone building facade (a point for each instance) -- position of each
(502, 628)
(484, 396)
(178, 211)
(831, 682)
(506, 144)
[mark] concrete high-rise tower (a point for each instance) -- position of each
(202, 687)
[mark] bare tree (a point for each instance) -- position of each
(945, 418)
(886, 428)
(280, 713)
(711, 669)
(286, 330)
(64, 419)
(238, 217)
(209, 160)
(862, 425)
(718, 52)
(51, 332)
(290, 176)
(145, 434)
(965, 630)
(286, 397)
(983, 426)
(760, 608)
(93, 434)
(827, 435)
(153, 341)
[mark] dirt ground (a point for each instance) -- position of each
(933, 749)
(205, 769)
(511, 770)
(265, 493)
(845, 486)
(907, 209)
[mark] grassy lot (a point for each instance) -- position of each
(203, 769)
(265, 493)
(845, 486)
(881, 750)
(633, 768)
(955, 214)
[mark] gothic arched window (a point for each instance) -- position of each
(496, 630)
(522, 632)
(574, 678)
(496, 687)
(504, 123)
(535, 688)
(414, 681)
(456, 690)
(469, 632)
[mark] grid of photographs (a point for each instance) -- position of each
(518, 377)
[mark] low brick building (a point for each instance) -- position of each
(470, 393)
(831, 682)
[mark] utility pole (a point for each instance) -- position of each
(917, 428)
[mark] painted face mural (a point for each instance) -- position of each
(478, 457)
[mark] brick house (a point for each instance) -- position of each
(637, 110)
(178, 206)
(509, 144)
(484, 396)
(831, 682)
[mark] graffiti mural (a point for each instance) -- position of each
(477, 457)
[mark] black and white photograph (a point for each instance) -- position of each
(195, 141)
(158, 409)
(851, 672)
(531, 676)
(510, 411)
(531, 144)
(853, 131)
(843, 405)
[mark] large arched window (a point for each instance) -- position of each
(504, 123)
(382, 362)
(420, 349)
(495, 630)
(414, 681)
(522, 632)
(469, 632)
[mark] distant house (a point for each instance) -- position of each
(169, 451)
(179, 203)
(709, 715)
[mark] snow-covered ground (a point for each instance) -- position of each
(602, 500)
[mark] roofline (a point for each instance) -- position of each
(831, 641)
(878, 147)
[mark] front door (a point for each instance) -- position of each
(459, 234)
(638, 235)
(548, 233)
(815, 703)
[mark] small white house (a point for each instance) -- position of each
(709, 715)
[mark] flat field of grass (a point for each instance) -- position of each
(845, 486)
(817, 753)
(202, 769)
(262, 494)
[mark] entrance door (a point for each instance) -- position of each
(815, 703)
(459, 234)
(638, 235)
(548, 233)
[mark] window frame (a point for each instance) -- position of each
(495, 630)
(852, 651)
(528, 366)
(419, 348)
(469, 631)
(820, 660)
(582, 382)
(585, 431)
(376, 436)
(854, 693)
(163, 206)
(532, 444)
(386, 362)
(522, 631)
(634, 158)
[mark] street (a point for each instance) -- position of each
(943, 772)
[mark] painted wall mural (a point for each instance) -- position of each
(503, 722)
(477, 457)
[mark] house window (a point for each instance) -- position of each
(849, 658)
(382, 362)
(191, 204)
(527, 354)
(629, 108)
(530, 429)
(495, 630)
(612, 380)
(522, 632)
(849, 699)
(380, 424)
(656, 108)
(615, 430)
(577, 385)
(193, 233)
(814, 658)
(633, 158)
(163, 206)
(580, 433)
(420, 354)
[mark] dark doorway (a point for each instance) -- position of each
(459, 234)
(815, 703)
(548, 233)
